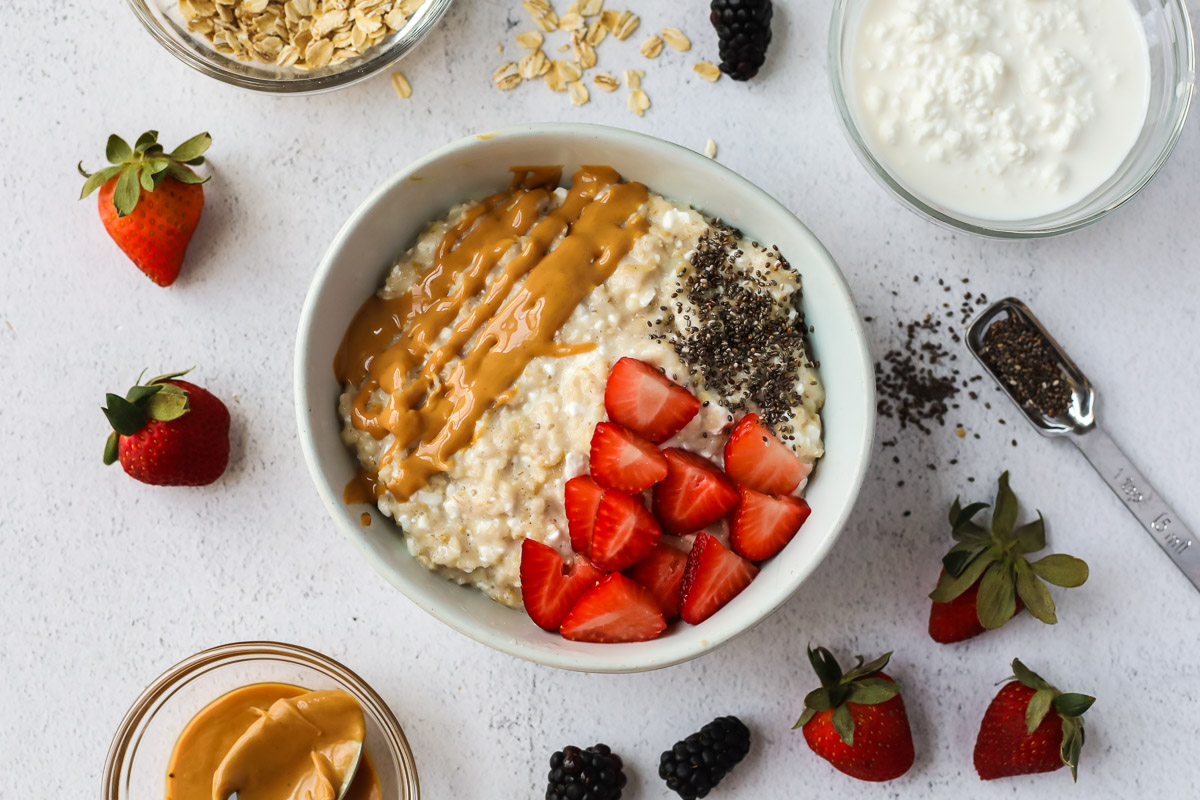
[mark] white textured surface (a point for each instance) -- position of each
(106, 582)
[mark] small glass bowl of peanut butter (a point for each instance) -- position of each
(163, 722)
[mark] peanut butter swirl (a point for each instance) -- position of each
(391, 343)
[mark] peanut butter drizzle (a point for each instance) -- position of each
(362, 488)
(389, 344)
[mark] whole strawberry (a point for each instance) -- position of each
(150, 202)
(1030, 727)
(857, 721)
(168, 432)
(986, 579)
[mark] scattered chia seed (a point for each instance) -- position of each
(748, 347)
(913, 381)
(1027, 365)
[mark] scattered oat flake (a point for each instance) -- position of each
(708, 70)
(401, 85)
(606, 82)
(596, 33)
(638, 102)
(530, 40)
(611, 19)
(571, 22)
(499, 48)
(710, 149)
(578, 92)
(633, 78)
(590, 8)
(568, 71)
(652, 47)
(507, 76)
(533, 65)
(585, 54)
(675, 38)
(626, 25)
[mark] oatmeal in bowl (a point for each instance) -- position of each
(591, 404)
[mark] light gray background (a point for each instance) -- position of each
(105, 582)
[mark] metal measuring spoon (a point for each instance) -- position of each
(1079, 425)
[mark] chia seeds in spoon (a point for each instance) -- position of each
(1028, 366)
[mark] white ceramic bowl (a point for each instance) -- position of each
(387, 223)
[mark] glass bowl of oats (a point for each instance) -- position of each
(289, 46)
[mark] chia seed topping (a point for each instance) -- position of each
(746, 345)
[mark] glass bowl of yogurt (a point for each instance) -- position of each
(1012, 118)
(145, 745)
(289, 46)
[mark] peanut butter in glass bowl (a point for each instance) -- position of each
(204, 703)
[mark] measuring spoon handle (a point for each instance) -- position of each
(1175, 538)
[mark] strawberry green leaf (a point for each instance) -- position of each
(117, 151)
(157, 165)
(870, 694)
(960, 557)
(997, 600)
(98, 179)
(1038, 708)
(1072, 744)
(965, 515)
(127, 192)
(195, 162)
(1004, 515)
(111, 448)
(159, 177)
(819, 699)
(170, 376)
(951, 587)
(1073, 704)
(862, 670)
(1031, 537)
(166, 406)
(1028, 677)
(146, 141)
(1061, 570)
(843, 723)
(183, 174)
(192, 148)
(139, 393)
(1034, 593)
(125, 418)
(804, 718)
(971, 533)
(955, 512)
(825, 665)
(146, 178)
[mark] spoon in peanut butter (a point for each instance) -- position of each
(1073, 416)
(306, 747)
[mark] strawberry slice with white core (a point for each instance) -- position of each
(662, 573)
(757, 458)
(615, 610)
(763, 525)
(622, 460)
(713, 577)
(646, 402)
(548, 588)
(694, 494)
(582, 500)
(624, 534)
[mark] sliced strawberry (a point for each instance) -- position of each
(763, 525)
(582, 499)
(642, 399)
(624, 534)
(624, 461)
(548, 588)
(713, 577)
(694, 494)
(757, 458)
(615, 610)
(662, 573)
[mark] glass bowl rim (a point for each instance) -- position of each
(1185, 71)
(295, 86)
(162, 686)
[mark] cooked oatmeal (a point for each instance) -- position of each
(467, 521)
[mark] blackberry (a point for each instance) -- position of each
(592, 774)
(698, 763)
(744, 32)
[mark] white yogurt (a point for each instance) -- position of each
(1001, 109)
